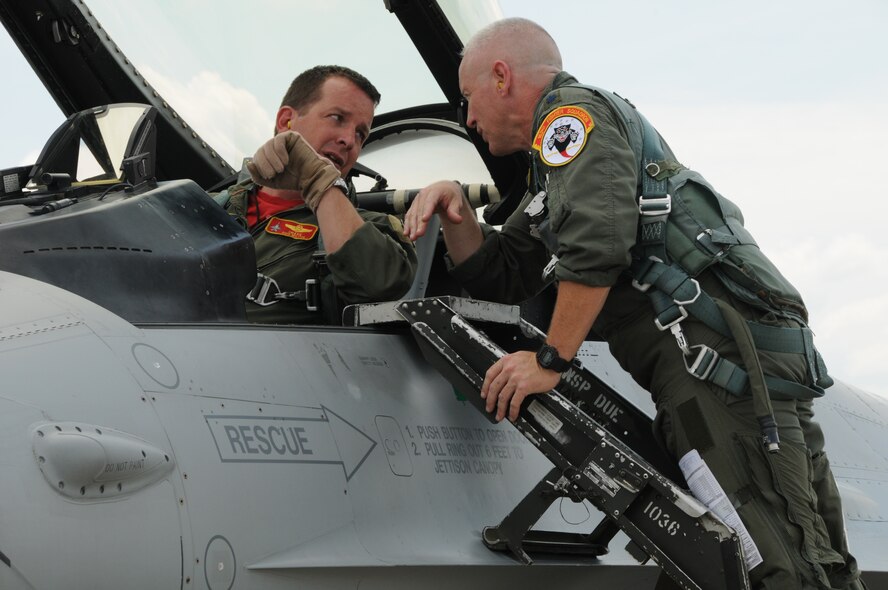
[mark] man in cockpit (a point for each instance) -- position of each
(315, 252)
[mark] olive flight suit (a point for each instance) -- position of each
(377, 263)
(583, 162)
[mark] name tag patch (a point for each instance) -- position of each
(291, 229)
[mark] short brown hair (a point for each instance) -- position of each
(306, 87)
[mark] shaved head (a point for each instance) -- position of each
(519, 42)
(506, 67)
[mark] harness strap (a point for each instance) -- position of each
(676, 294)
(267, 292)
(653, 213)
(761, 401)
(653, 184)
(655, 202)
(706, 364)
(686, 292)
(319, 294)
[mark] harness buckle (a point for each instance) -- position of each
(550, 267)
(536, 208)
(642, 271)
(643, 287)
(649, 206)
(682, 314)
(259, 292)
(704, 240)
(680, 338)
(692, 299)
(703, 364)
(679, 305)
(312, 295)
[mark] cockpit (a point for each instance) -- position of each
(116, 209)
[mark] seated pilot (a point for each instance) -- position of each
(315, 252)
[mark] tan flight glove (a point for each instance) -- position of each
(288, 162)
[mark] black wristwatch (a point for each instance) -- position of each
(548, 358)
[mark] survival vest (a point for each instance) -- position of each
(319, 295)
(685, 227)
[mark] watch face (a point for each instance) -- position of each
(547, 355)
(548, 358)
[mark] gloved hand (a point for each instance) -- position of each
(288, 162)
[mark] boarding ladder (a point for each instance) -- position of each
(609, 459)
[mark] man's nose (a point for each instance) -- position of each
(470, 117)
(351, 138)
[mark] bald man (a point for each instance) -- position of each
(577, 226)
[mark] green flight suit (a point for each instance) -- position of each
(592, 221)
(377, 263)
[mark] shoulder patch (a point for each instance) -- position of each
(291, 229)
(562, 135)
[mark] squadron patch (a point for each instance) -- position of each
(291, 229)
(562, 135)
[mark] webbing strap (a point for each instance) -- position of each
(676, 283)
(653, 185)
(654, 203)
(761, 400)
(783, 389)
(715, 240)
(709, 366)
(267, 292)
(654, 206)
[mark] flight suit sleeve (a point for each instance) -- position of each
(508, 267)
(592, 212)
(592, 206)
(377, 263)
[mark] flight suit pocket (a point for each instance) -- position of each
(557, 214)
(556, 202)
(784, 481)
(548, 229)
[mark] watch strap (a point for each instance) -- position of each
(549, 358)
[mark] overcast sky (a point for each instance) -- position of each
(781, 105)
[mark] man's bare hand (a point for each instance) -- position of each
(444, 196)
(513, 378)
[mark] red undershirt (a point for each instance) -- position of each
(263, 205)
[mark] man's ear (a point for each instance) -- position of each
(502, 76)
(283, 121)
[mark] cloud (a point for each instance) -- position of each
(845, 291)
(230, 119)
